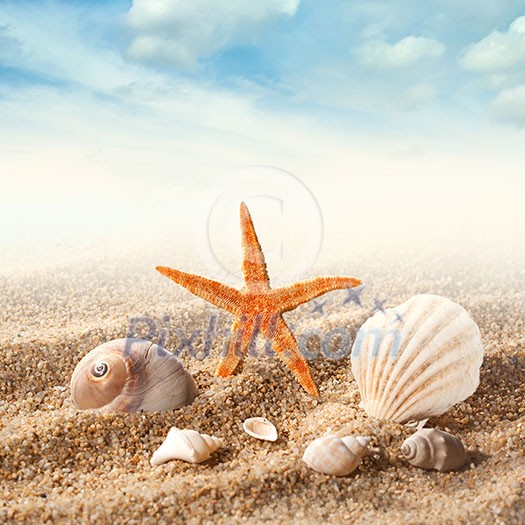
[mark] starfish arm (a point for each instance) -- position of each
(285, 346)
(242, 333)
(253, 263)
(289, 297)
(214, 292)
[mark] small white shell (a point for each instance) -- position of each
(129, 375)
(334, 455)
(429, 448)
(417, 360)
(187, 445)
(260, 428)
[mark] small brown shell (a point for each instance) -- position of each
(429, 448)
(129, 375)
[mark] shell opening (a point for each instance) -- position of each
(260, 428)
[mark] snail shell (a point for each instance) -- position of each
(417, 360)
(187, 445)
(429, 448)
(334, 455)
(129, 375)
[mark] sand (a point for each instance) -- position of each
(62, 465)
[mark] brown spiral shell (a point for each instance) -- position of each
(129, 375)
(429, 448)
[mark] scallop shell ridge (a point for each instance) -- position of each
(417, 360)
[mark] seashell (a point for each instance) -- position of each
(417, 360)
(334, 455)
(129, 375)
(187, 445)
(429, 448)
(260, 428)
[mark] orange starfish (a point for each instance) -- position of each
(259, 308)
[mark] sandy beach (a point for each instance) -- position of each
(62, 465)
(257, 145)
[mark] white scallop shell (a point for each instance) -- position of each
(417, 360)
(129, 375)
(336, 456)
(429, 448)
(187, 445)
(260, 428)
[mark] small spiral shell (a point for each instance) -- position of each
(334, 455)
(129, 375)
(429, 448)
(186, 445)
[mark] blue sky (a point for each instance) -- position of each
(372, 58)
(103, 102)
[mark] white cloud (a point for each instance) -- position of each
(182, 31)
(410, 50)
(498, 51)
(509, 106)
(58, 41)
(501, 57)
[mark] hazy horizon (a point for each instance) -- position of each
(126, 123)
